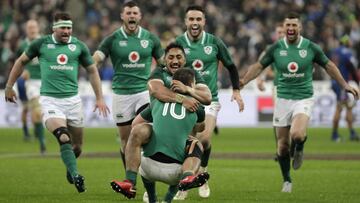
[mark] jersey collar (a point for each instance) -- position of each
(188, 41)
(126, 36)
(297, 46)
(54, 40)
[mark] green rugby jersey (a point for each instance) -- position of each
(33, 66)
(172, 124)
(204, 56)
(294, 66)
(164, 75)
(59, 64)
(131, 56)
(272, 66)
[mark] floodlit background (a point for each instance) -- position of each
(242, 167)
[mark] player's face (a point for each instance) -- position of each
(131, 17)
(174, 59)
(279, 32)
(62, 34)
(32, 29)
(292, 29)
(195, 23)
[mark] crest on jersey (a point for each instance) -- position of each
(187, 51)
(208, 50)
(62, 59)
(72, 47)
(303, 53)
(197, 64)
(134, 57)
(144, 43)
(123, 43)
(293, 67)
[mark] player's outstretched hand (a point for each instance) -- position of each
(353, 90)
(260, 84)
(103, 109)
(10, 95)
(237, 97)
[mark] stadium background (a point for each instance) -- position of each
(245, 26)
(241, 166)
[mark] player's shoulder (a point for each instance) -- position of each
(75, 40)
(46, 39)
(181, 38)
(210, 38)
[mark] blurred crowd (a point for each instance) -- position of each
(246, 26)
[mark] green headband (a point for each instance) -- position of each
(63, 23)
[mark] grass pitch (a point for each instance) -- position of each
(330, 172)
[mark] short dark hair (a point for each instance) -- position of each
(172, 46)
(130, 4)
(61, 16)
(293, 15)
(195, 8)
(184, 75)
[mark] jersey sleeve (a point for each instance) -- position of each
(105, 45)
(223, 53)
(146, 114)
(33, 49)
(198, 78)
(85, 56)
(320, 57)
(201, 114)
(20, 50)
(268, 56)
(156, 74)
(157, 51)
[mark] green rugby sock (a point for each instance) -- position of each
(150, 188)
(186, 174)
(205, 157)
(39, 133)
(284, 162)
(171, 193)
(131, 175)
(68, 157)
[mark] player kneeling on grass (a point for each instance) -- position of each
(170, 154)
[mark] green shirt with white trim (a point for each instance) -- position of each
(172, 124)
(131, 56)
(33, 66)
(204, 55)
(59, 64)
(294, 66)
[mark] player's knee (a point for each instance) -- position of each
(193, 148)
(283, 150)
(62, 134)
(140, 133)
(349, 119)
(297, 135)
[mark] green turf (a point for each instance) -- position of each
(42, 179)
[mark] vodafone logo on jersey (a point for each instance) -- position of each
(62, 59)
(134, 57)
(293, 67)
(197, 64)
